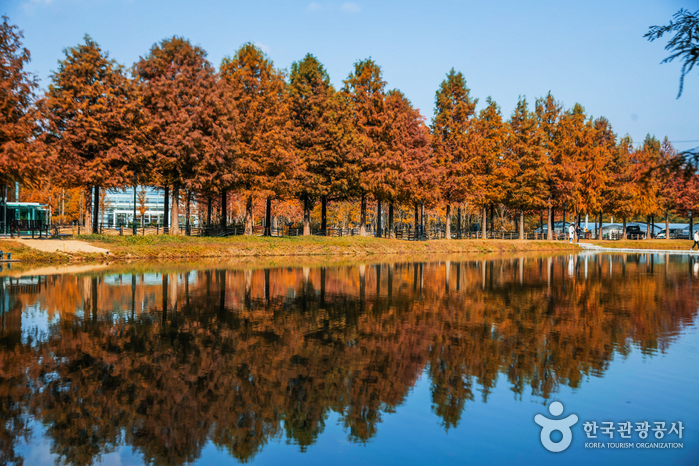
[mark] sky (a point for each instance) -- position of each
(584, 51)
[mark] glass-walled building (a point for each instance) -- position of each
(119, 207)
(23, 212)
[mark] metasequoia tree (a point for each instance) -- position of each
(452, 142)
(323, 138)
(548, 112)
(620, 191)
(267, 163)
(189, 121)
(364, 90)
(409, 172)
(92, 116)
(18, 128)
(646, 164)
(526, 152)
(489, 171)
(594, 175)
(575, 142)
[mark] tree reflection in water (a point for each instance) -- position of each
(168, 361)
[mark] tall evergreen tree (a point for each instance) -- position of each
(184, 107)
(323, 138)
(18, 128)
(453, 141)
(525, 149)
(489, 171)
(410, 175)
(364, 89)
(619, 193)
(267, 166)
(92, 117)
(548, 112)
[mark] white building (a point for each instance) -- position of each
(120, 207)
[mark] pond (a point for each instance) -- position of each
(384, 361)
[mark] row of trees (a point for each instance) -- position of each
(251, 130)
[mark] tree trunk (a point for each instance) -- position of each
(447, 228)
(248, 215)
(186, 220)
(417, 222)
(599, 229)
(378, 218)
(577, 226)
(667, 225)
(224, 209)
(362, 216)
(307, 207)
(268, 217)
(88, 212)
(324, 215)
(492, 215)
(541, 221)
(96, 215)
(458, 221)
(647, 227)
(391, 230)
(521, 225)
(691, 226)
(422, 221)
(623, 229)
(175, 218)
(549, 223)
(208, 212)
(484, 223)
(166, 208)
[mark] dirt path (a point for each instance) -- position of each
(58, 245)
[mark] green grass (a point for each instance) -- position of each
(164, 246)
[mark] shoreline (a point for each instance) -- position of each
(156, 248)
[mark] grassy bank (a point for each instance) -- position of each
(664, 244)
(33, 256)
(170, 247)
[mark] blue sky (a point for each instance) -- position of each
(591, 52)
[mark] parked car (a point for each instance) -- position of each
(635, 232)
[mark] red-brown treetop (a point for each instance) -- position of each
(488, 171)
(92, 113)
(190, 125)
(529, 182)
(452, 135)
(322, 132)
(364, 90)
(406, 172)
(18, 162)
(266, 164)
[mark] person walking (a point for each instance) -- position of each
(696, 241)
(571, 232)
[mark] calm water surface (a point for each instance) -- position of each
(435, 362)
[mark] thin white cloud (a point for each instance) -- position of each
(313, 6)
(350, 7)
(265, 48)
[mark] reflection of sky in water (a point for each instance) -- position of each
(35, 324)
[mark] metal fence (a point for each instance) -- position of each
(407, 233)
